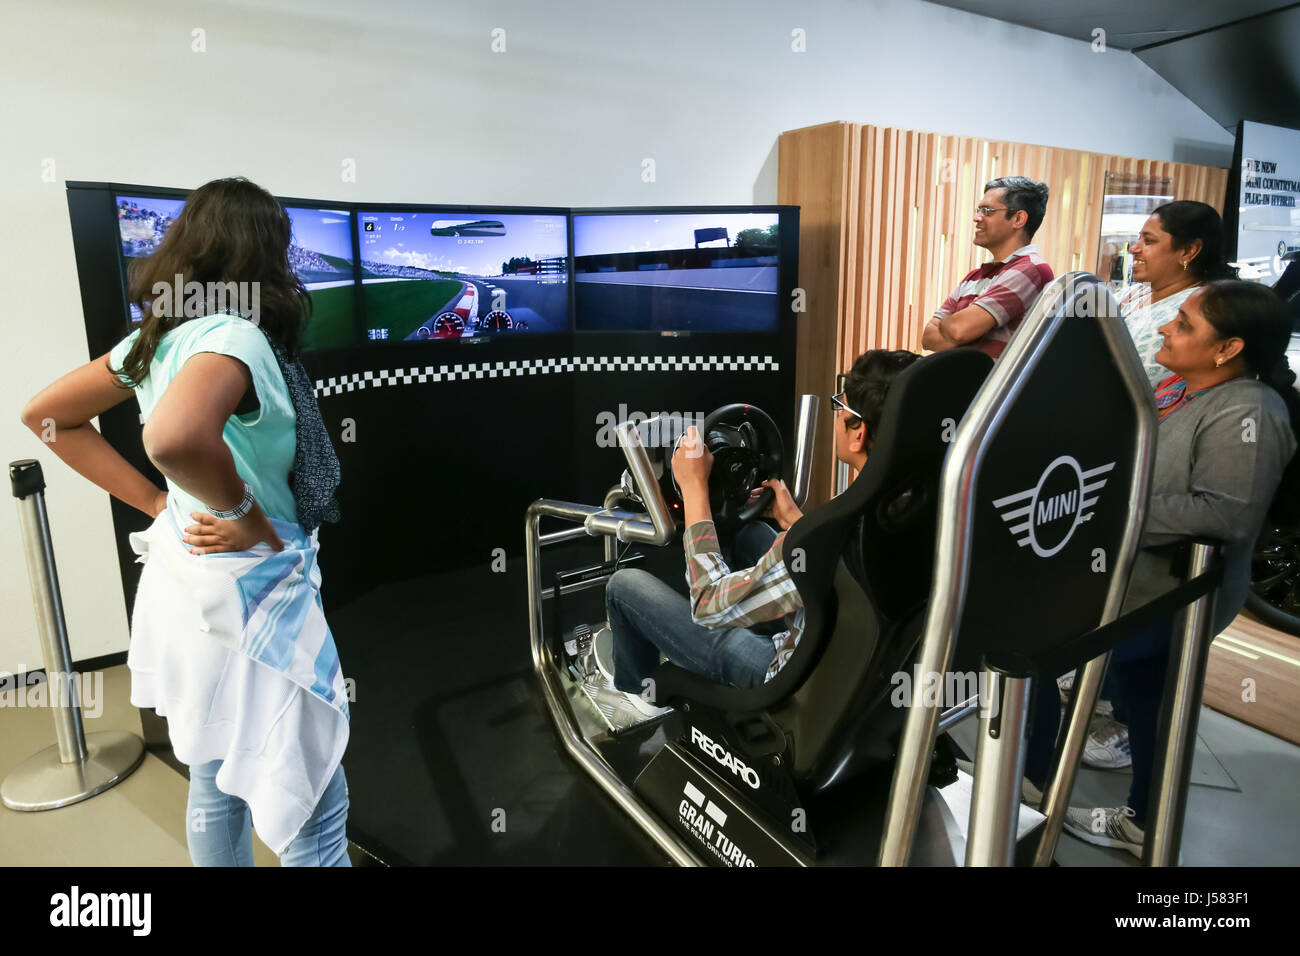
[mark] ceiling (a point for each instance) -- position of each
(1235, 59)
(1127, 24)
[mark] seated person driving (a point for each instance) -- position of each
(717, 631)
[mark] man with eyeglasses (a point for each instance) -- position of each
(986, 308)
(738, 627)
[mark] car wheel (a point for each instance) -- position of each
(1274, 595)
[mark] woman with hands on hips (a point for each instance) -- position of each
(244, 668)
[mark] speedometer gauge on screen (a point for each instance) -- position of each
(447, 275)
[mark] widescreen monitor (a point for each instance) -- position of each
(439, 274)
(320, 254)
(687, 271)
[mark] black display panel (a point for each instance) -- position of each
(436, 273)
(320, 254)
(705, 270)
(321, 257)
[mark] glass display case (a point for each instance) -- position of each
(1127, 202)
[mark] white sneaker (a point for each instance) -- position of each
(1065, 685)
(1106, 826)
(1107, 746)
(644, 707)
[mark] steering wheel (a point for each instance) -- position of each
(747, 450)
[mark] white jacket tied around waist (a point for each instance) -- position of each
(233, 648)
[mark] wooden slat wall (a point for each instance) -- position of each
(886, 231)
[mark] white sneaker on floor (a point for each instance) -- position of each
(1106, 826)
(1107, 746)
(644, 707)
(1065, 684)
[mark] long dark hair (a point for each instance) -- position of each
(1258, 316)
(229, 231)
(867, 383)
(1186, 221)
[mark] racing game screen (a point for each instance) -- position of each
(320, 253)
(141, 224)
(696, 272)
(442, 275)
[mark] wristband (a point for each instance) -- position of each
(234, 514)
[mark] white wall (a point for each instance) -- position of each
(287, 90)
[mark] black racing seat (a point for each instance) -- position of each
(862, 564)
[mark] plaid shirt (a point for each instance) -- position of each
(1005, 290)
(724, 598)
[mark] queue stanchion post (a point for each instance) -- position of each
(1176, 731)
(79, 765)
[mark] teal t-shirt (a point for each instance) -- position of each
(262, 442)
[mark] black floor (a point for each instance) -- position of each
(453, 759)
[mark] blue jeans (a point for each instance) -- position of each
(1135, 680)
(226, 838)
(648, 617)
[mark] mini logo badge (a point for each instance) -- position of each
(1045, 516)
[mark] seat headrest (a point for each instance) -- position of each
(923, 407)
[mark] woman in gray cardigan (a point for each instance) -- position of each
(1229, 420)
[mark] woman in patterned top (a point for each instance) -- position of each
(1180, 247)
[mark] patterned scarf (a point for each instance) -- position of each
(316, 471)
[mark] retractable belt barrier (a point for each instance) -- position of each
(79, 765)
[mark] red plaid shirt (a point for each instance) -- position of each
(1006, 290)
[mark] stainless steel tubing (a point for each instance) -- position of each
(999, 765)
(557, 702)
(613, 497)
(955, 715)
(568, 534)
(1182, 709)
(805, 435)
(77, 766)
(652, 496)
(655, 527)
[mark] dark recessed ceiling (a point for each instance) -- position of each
(1235, 59)
(1127, 24)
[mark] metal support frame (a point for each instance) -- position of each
(805, 433)
(999, 765)
(655, 527)
(1176, 735)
